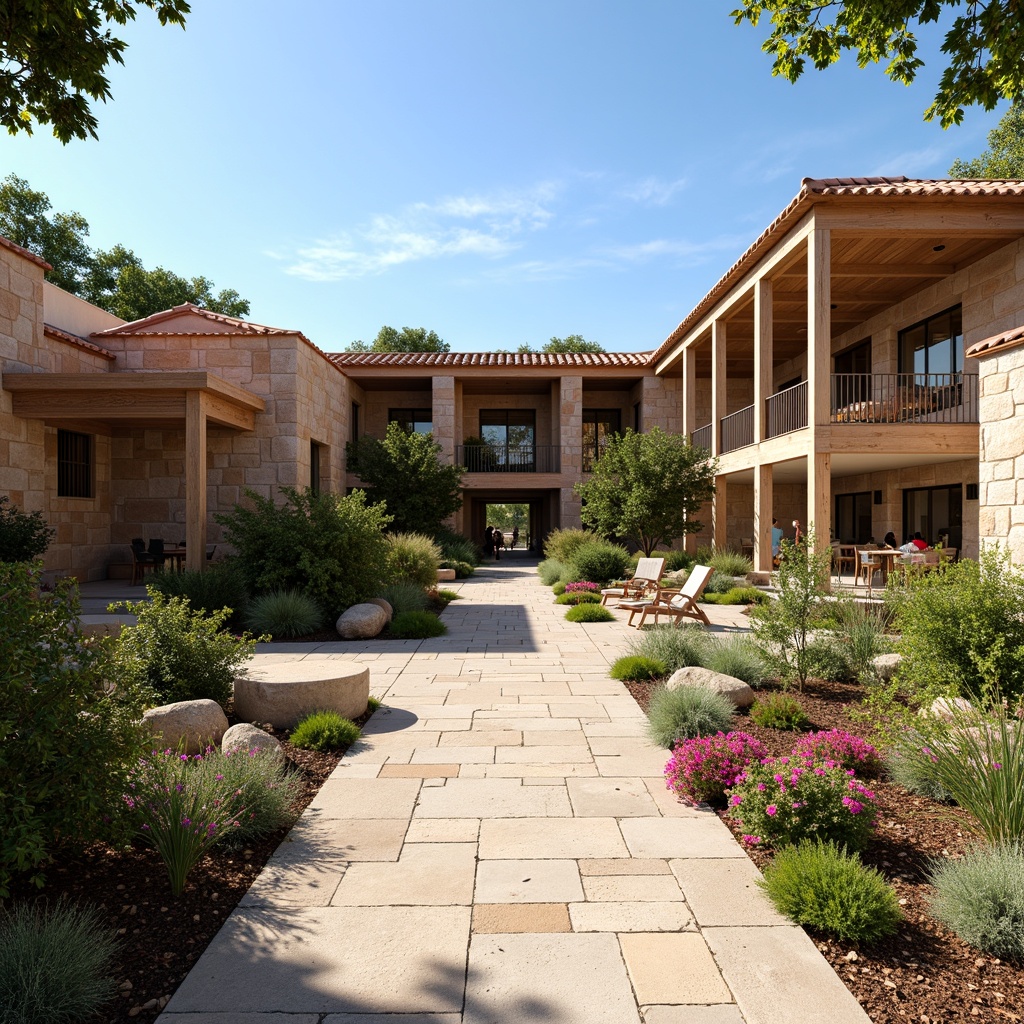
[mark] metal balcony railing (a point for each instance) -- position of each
(786, 411)
(701, 437)
(508, 458)
(738, 429)
(904, 398)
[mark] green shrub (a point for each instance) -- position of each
(220, 585)
(675, 647)
(736, 595)
(981, 898)
(284, 613)
(719, 583)
(413, 558)
(637, 668)
(578, 597)
(676, 560)
(23, 535)
(448, 596)
(55, 964)
(685, 713)
(178, 653)
(463, 570)
(599, 562)
(861, 632)
(778, 711)
(589, 613)
(558, 589)
(915, 774)
(730, 563)
(735, 655)
(821, 886)
(372, 703)
(331, 547)
(324, 731)
(561, 545)
(417, 626)
(66, 737)
(405, 597)
(826, 659)
(457, 548)
(550, 571)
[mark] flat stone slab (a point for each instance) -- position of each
(630, 917)
(526, 881)
(725, 892)
(667, 968)
(679, 837)
(284, 692)
(366, 798)
(511, 918)
(610, 798)
(427, 874)
(550, 838)
(492, 798)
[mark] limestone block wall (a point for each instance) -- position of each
(570, 432)
(375, 406)
(1001, 464)
(789, 503)
(661, 402)
(539, 403)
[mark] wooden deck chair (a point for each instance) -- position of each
(676, 604)
(647, 577)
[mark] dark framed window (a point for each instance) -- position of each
(933, 346)
(598, 426)
(354, 432)
(852, 523)
(934, 512)
(791, 383)
(414, 421)
(315, 465)
(74, 464)
(511, 434)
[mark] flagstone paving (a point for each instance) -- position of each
(499, 847)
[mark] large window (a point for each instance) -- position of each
(598, 426)
(934, 512)
(935, 345)
(317, 464)
(511, 434)
(852, 524)
(74, 464)
(415, 421)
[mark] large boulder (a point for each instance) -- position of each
(244, 736)
(445, 575)
(285, 692)
(946, 708)
(885, 665)
(386, 605)
(197, 723)
(735, 689)
(362, 622)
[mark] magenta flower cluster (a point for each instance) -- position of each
(581, 587)
(841, 746)
(701, 770)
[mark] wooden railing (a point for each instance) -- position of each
(701, 437)
(508, 458)
(786, 411)
(904, 398)
(738, 429)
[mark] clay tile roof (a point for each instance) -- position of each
(506, 359)
(998, 342)
(142, 326)
(73, 339)
(813, 190)
(6, 243)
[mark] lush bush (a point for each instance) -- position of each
(675, 647)
(784, 800)
(730, 563)
(578, 597)
(66, 736)
(962, 630)
(637, 668)
(180, 654)
(561, 545)
(861, 632)
(719, 583)
(220, 585)
(842, 747)
(463, 570)
(559, 588)
(734, 655)
(417, 626)
(551, 571)
(821, 886)
(599, 562)
(331, 547)
(413, 558)
(676, 560)
(23, 535)
(323, 731)
(589, 613)
(981, 898)
(284, 613)
(778, 711)
(736, 595)
(457, 548)
(447, 596)
(825, 658)
(915, 774)
(702, 769)
(405, 597)
(55, 964)
(685, 713)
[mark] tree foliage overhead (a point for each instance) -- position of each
(408, 339)
(54, 55)
(404, 472)
(113, 279)
(648, 487)
(1004, 157)
(573, 343)
(984, 45)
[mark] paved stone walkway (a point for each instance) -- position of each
(500, 847)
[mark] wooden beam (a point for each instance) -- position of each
(819, 497)
(819, 325)
(881, 269)
(764, 501)
(718, 383)
(907, 438)
(195, 479)
(689, 391)
(763, 353)
(135, 405)
(719, 534)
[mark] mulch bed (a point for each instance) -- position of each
(924, 973)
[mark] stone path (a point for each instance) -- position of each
(500, 848)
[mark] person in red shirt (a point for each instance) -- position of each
(918, 542)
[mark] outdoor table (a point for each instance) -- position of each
(886, 559)
(176, 555)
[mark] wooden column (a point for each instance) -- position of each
(195, 479)
(819, 326)
(819, 497)
(763, 501)
(719, 532)
(718, 385)
(763, 347)
(689, 392)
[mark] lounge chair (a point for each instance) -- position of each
(676, 604)
(646, 577)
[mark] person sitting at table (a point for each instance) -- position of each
(889, 541)
(776, 540)
(915, 545)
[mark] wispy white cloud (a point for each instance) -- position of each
(680, 251)
(930, 161)
(653, 191)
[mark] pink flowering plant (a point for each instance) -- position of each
(581, 587)
(843, 747)
(701, 770)
(783, 800)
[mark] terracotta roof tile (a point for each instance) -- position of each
(506, 359)
(998, 342)
(73, 339)
(240, 326)
(6, 243)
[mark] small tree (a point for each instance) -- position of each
(782, 628)
(648, 487)
(403, 471)
(23, 535)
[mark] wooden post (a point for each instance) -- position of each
(819, 326)
(689, 392)
(819, 497)
(195, 479)
(718, 385)
(763, 502)
(719, 532)
(763, 345)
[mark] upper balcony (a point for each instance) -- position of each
(508, 458)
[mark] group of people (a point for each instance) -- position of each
(798, 536)
(495, 541)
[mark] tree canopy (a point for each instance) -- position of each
(1004, 157)
(571, 343)
(984, 45)
(408, 339)
(53, 58)
(113, 279)
(648, 488)
(404, 472)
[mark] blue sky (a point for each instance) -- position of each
(496, 173)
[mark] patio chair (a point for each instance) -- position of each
(142, 560)
(646, 577)
(676, 604)
(845, 554)
(867, 567)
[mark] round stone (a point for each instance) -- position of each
(196, 723)
(361, 622)
(386, 605)
(285, 692)
(244, 736)
(735, 689)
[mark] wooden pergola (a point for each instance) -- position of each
(99, 401)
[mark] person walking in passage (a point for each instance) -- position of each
(499, 542)
(515, 537)
(489, 542)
